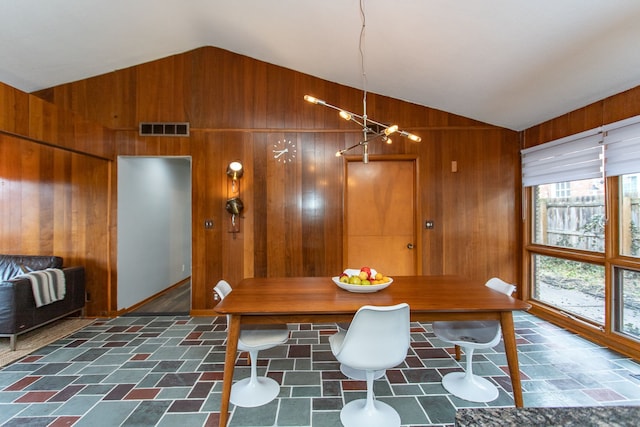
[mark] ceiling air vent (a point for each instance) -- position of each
(164, 129)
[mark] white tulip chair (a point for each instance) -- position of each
(377, 339)
(254, 391)
(471, 335)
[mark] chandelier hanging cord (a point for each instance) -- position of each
(361, 48)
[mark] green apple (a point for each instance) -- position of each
(354, 280)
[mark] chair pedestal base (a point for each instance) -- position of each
(470, 387)
(249, 392)
(357, 414)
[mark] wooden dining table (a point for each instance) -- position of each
(318, 299)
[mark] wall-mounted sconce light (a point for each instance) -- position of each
(234, 207)
(235, 171)
(234, 204)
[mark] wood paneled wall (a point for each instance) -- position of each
(609, 110)
(54, 188)
(239, 107)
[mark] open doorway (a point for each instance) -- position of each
(154, 234)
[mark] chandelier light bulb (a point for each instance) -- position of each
(314, 100)
(345, 115)
(413, 137)
(391, 129)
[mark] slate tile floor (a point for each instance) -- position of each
(167, 371)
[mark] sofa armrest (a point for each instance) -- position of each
(7, 307)
(18, 310)
(13, 315)
(76, 285)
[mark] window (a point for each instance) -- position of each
(573, 287)
(622, 152)
(572, 245)
(568, 208)
(622, 142)
(570, 222)
(563, 189)
(629, 215)
(578, 222)
(628, 302)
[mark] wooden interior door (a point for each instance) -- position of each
(380, 205)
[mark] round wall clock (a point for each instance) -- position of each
(284, 151)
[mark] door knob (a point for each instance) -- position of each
(409, 245)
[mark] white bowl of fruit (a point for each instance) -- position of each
(362, 280)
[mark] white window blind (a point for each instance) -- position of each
(568, 159)
(622, 147)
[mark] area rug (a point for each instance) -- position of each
(31, 341)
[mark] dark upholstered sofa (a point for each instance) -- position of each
(18, 311)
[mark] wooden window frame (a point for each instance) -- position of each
(610, 259)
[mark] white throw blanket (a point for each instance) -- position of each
(48, 285)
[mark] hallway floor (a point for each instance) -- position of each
(175, 302)
(167, 371)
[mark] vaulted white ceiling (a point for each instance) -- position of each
(511, 63)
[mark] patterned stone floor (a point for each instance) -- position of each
(167, 371)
